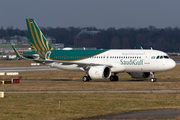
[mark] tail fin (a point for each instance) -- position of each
(37, 40)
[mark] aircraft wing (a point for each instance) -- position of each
(80, 64)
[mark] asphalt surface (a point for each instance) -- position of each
(130, 91)
(161, 114)
(27, 69)
(177, 62)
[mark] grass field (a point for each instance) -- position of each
(89, 86)
(76, 106)
(80, 105)
(5, 46)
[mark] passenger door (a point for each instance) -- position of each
(147, 58)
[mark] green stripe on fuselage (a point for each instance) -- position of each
(73, 55)
(29, 53)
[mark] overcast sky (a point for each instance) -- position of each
(88, 13)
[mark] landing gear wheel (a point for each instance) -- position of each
(86, 78)
(114, 78)
(153, 79)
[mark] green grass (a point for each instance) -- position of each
(76, 106)
(5, 46)
(89, 86)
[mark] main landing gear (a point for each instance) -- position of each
(86, 78)
(114, 77)
(153, 79)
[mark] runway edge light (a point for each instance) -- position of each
(1, 94)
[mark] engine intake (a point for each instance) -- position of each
(99, 72)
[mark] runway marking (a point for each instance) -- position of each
(139, 91)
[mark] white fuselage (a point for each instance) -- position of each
(125, 61)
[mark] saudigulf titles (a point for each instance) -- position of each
(131, 62)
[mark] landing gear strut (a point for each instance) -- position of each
(86, 78)
(153, 79)
(114, 77)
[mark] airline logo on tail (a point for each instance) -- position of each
(37, 40)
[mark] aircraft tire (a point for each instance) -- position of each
(114, 78)
(153, 79)
(85, 79)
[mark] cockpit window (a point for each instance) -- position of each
(166, 57)
(163, 57)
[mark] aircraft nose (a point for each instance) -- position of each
(172, 64)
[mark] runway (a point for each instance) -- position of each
(155, 114)
(177, 62)
(27, 69)
(130, 91)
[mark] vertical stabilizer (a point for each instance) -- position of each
(37, 40)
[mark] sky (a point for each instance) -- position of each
(101, 14)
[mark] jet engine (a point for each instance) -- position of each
(139, 74)
(99, 72)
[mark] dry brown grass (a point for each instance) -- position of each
(75, 106)
(89, 86)
(15, 63)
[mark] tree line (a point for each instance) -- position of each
(165, 39)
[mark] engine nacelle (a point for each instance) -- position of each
(99, 72)
(139, 74)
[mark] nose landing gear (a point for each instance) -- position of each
(153, 79)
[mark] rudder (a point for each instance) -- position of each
(38, 42)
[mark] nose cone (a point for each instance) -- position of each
(171, 64)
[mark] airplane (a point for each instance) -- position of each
(99, 64)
